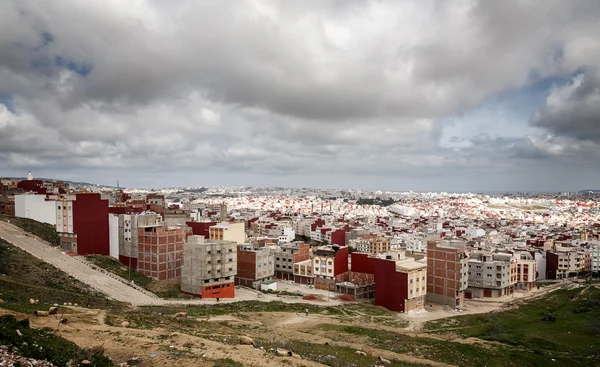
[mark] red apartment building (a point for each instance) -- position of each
(82, 223)
(200, 228)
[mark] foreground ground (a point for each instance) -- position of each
(556, 325)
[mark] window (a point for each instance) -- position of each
(230, 250)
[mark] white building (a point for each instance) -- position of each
(36, 207)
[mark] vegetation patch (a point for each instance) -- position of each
(565, 323)
(45, 345)
(24, 277)
(44, 231)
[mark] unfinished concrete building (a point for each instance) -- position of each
(447, 273)
(160, 249)
(255, 265)
(209, 268)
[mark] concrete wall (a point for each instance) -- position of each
(35, 207)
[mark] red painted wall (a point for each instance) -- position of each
(225, 290)
(125, 260)
(340, 262)
(551, 265)
(32, 185)
(200, 228)
(391, 287)
(338, 237)
(362, 263)
(90, 223)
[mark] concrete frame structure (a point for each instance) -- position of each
(160, 249)
(209, 268)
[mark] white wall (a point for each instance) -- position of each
(113, 230)
(35, 207)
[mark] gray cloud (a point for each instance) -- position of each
(573, 109)
(263, 89)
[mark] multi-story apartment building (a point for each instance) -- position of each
(209, 268)
(595, 260)
(328, 262)
(447, 273)
(288, 254)
(82, 223)
(228, 231)
(526, 270)
(123, 235)
(160, 248)
(303, 272)
(400, 282)
(255, 265)
(571, 261)
(371, 244)
(490, 275)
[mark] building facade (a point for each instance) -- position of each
(160, 249)
(209, 268)
(254, 265)
(490, 275)
(286, 255)
(226, 231)
(447, 273)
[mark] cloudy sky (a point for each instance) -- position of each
(394, 95)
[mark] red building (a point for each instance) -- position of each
(160, 251)
(89, 215)
(200, 228)
(398, 284)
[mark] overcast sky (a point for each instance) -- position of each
(392, 95)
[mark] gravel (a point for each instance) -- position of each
(9, 359)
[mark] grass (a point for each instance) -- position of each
(334, 356)
(24, 277)
(574, 334)
(115, 267)
(455, 353)
(44, 231)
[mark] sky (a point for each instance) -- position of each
(417, 95)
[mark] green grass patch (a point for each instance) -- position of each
(329, 355)
(460, 354)
(115, 267)
(565, 322)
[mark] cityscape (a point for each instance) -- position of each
(265, 183)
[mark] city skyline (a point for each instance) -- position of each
(424, 96)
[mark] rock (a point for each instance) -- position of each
(125, 324)
(76, 305)
(1, 300)
(282, 352)
(383, 360)
(134, 361)
(40, 313)
(244, 340)
(32, 301)
(52, 310)
(180, 314)
(70, 304)
(86, 362)
(361, 353)
(18, 332)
